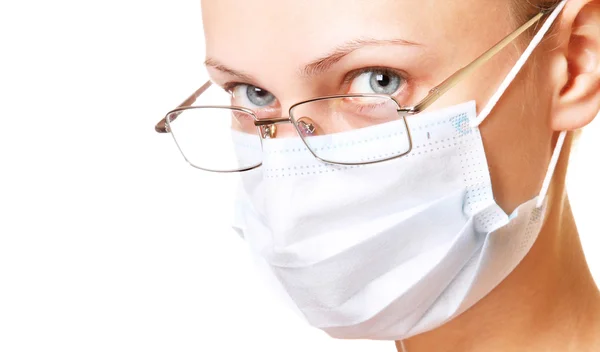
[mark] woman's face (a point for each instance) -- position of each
(297, 50)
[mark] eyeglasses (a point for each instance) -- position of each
(225, 138)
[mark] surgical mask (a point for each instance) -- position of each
(394, 249)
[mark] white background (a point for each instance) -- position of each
(108, 240)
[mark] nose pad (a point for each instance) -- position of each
(306, 126)
(268, 131)
(283, 130)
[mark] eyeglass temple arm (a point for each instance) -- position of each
(161, 126)
(459, 75)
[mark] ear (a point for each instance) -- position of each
(577, 98)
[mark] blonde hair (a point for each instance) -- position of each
(526, 8)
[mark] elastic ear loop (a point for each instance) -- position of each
(546, 185)
(537, 39)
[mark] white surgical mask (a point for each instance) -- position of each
(394, 249)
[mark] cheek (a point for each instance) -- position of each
(516, 137)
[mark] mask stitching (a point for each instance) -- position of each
(413, 129)
(424, 145)
(276, 172)
(360, 141)
(477, 184)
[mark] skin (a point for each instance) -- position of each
(550, 301)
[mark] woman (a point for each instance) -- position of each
(423, 198)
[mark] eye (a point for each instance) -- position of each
(251, 96)
(378, 81)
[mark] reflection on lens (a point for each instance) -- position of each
(216, 139)
(354, 129)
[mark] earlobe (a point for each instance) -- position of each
(578, 100)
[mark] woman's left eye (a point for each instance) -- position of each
(376, 81)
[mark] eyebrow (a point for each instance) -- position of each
(320, 65)
(221, 67)
(323, 64)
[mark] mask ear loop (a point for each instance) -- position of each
(537, 39)
(555, 155)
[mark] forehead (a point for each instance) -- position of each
(287, 33)
(288, 20)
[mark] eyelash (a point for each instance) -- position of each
(229, 87)
(348, 78)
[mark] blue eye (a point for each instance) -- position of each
(258, 96)
(376, 81)
(252, 97)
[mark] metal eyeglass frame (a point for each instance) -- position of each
(434, 94)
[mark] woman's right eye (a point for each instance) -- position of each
(251, 97)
